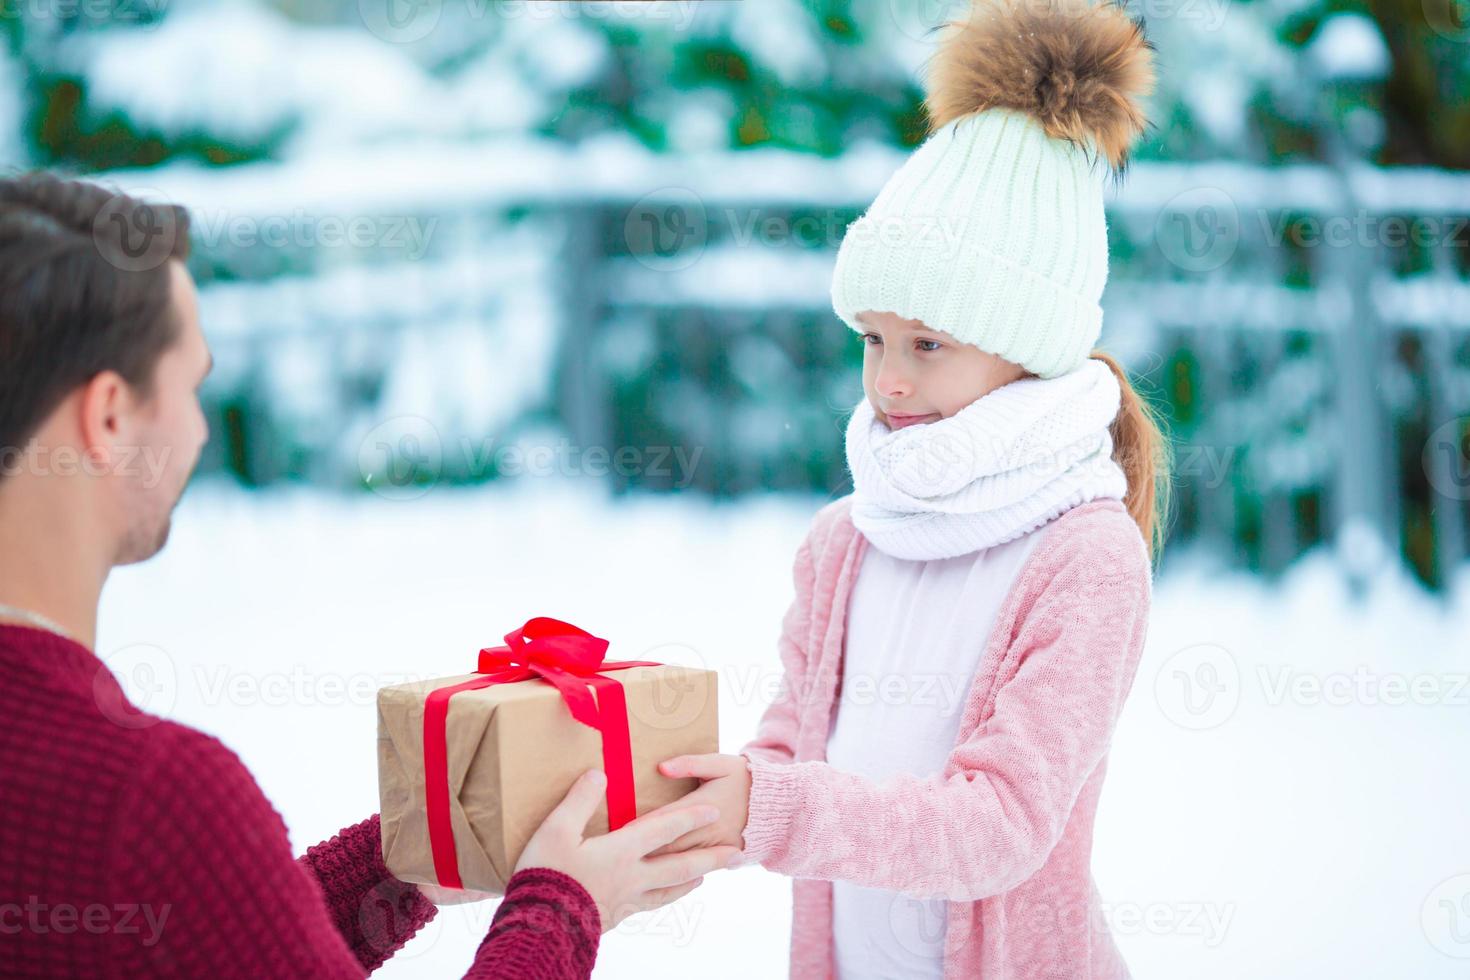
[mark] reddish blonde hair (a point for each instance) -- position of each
(1142, 449)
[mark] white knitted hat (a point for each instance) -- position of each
(993, 230)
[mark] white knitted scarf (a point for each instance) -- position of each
(1004, 465)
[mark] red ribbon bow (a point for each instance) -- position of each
(569, 659)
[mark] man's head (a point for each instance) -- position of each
(101, 358)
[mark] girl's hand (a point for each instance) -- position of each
(619, 869)
(725, 786)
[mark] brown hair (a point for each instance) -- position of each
(1079, 68)
(1142, 450)
(84, 288)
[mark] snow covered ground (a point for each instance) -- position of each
(1286, 795)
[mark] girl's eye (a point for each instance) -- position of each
(872, 339)
(928, 345)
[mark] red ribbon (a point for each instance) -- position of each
(569, 659)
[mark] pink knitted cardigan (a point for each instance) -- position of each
(1004, 833)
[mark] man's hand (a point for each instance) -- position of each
(726, 786)
(622, 870)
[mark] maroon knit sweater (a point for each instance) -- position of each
(131, 846)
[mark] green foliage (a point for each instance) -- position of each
(63, 130)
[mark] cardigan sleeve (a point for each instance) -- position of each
(775, 735)
(992, 817)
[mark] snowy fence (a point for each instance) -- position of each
(1305, 329)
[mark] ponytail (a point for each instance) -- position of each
(1143, 452)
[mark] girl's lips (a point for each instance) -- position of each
(903, 421)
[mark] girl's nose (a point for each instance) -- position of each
(892, 380)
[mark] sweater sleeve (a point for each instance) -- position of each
(775, 735)
(546, 928)
(990, 820)
(372, 910)
(206, 860)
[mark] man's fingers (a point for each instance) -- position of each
(653, 830)
(684, 843)
(660, 897)
(675, 869)
(581, 801)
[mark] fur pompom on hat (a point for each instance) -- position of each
(993, 230)
(1076, 67)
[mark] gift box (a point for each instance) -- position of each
(469, 766)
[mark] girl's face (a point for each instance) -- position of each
(913, 374)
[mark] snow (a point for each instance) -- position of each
(1218, 99)
(424, 173)
(1412, 190)
(734, 277)
(244, 72)
(1215, 57)
(780, 37)
(1424, 300)
(1349, 46)
(564, 56)
(1284, 798)
(731, 276)
(699, 121)
(438, 331)
(491, 95)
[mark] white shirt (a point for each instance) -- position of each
(915, 634)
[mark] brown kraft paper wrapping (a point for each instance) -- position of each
(514, 751)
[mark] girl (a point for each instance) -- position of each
(967, 625)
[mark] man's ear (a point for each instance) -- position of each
(106, 411)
